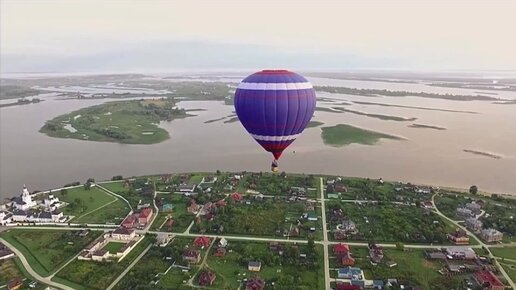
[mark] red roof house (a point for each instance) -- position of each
(202, 242)
(347, 287)
(145, 216)
(488, 280)
(346, 259)
(207, 278)
(340, 249)
(221, 203)
(255, 283)
(236, 196)
(129, 222)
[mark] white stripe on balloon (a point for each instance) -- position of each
(275, 138)
(275, 86)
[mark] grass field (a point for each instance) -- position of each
(510, 268)
(113, 247)
(47, 250)
(341, 135)
(92, 206)
(133, 197)
(179, 214)
(505, 252)
(96, 275)
(8, 271)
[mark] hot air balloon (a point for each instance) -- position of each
(275, 106)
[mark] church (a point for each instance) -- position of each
(23, 202)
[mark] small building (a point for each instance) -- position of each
(145, 216)
(375, 253)
(346, 259)
(223, 242)
(474, 224)
(340, 249)
(488, 280)
(5, 218)
(352, 273)
(192, 256)
(123, 234)
(342, 286)
(311, 216)
(5, 253)
(461, 253)
(100, 255)
(474, 207)
(15, 284)
(435, 255)
(187, 189)
(20, 215)
(220, 252)
(491, 235)
(254, 266)
(255, 283)
(193, 207)
(459, 237)
(463, 212)
(236, 197)
(202, 242)
(130, 221)
(167, 207)
(207, 278)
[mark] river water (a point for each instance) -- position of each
(425, 156)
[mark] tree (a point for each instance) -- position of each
(473, 189)
(64, 192)
(400, 246)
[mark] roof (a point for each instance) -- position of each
(254, 264)
(129, 220)
(100, 253)
(350, 270)
(45, 215)
(340, 248)
(202, 241)
(347, 287)
(146, 212)
(255, 283)
(207, 278)
(489, 277)
(123, 231)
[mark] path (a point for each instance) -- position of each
(44, 280)
(129, 268)
(190, 281)
(325, 238)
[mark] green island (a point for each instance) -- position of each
(412, 107)
(388, 93)
(482, 153)
(342, 134)
(15, 91)
(230, 230)
(22, 101)
(129, 122)
(313, 124)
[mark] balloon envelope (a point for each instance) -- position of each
(275, 106)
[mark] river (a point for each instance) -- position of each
(426, 156)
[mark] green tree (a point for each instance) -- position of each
(400, 246)
(473, 189)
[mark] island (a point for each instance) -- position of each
(481, 153)
(22, 101)
(128, 122)
(342, 134)
(248, 230)
(422, 126)
(388, 93)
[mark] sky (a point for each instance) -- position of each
(131, 35)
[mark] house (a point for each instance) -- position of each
(474, 224)
(491, 235)
(162, 239)
(459, 237)
(348, 226)
(221, 203)
(463, 212)
(100, 255)
(193, 207)
(294, 232)
(20, 215)
(15, 284)
(202, 242)
(56, 215)
(236, 196)
(346, 259)
(254, 266)
(311, 216)
(207, 278)
(192, 256)
(130, 221)
(222, 242)
(167, 207)
(5, 218)
(342, 286)
(220, 252)
(435, 256)
(297, 191)
(5, 253)
(340, 249)
(51, 202)
(350, 273)
(145, 216)
(187, 189)
(461, 253)
(377, 284)
(375, 253)
(427, 204)
(474, 207)
(255, 283)
(23, 202)
(341, 188)
(123, 234)
(339, 235)
(488, 280)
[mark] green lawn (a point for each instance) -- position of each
(92, 206)
(341, 135)
(510, 268)
(26, 274)
(47, 250)
(8, 271)
(113, 247)
(98, 275)
(182, 218)
(505, 252)
(128, 192)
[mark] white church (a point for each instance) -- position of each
(23, 202)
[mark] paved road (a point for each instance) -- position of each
(481, 243)
(128, 268)
(44, 280)
(327, 278)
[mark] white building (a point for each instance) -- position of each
(20, 215)
(5, 218)
(52, 202)
(23, 202)
(123, 234)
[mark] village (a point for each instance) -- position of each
(256, 231)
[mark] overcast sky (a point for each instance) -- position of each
(413, 34)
